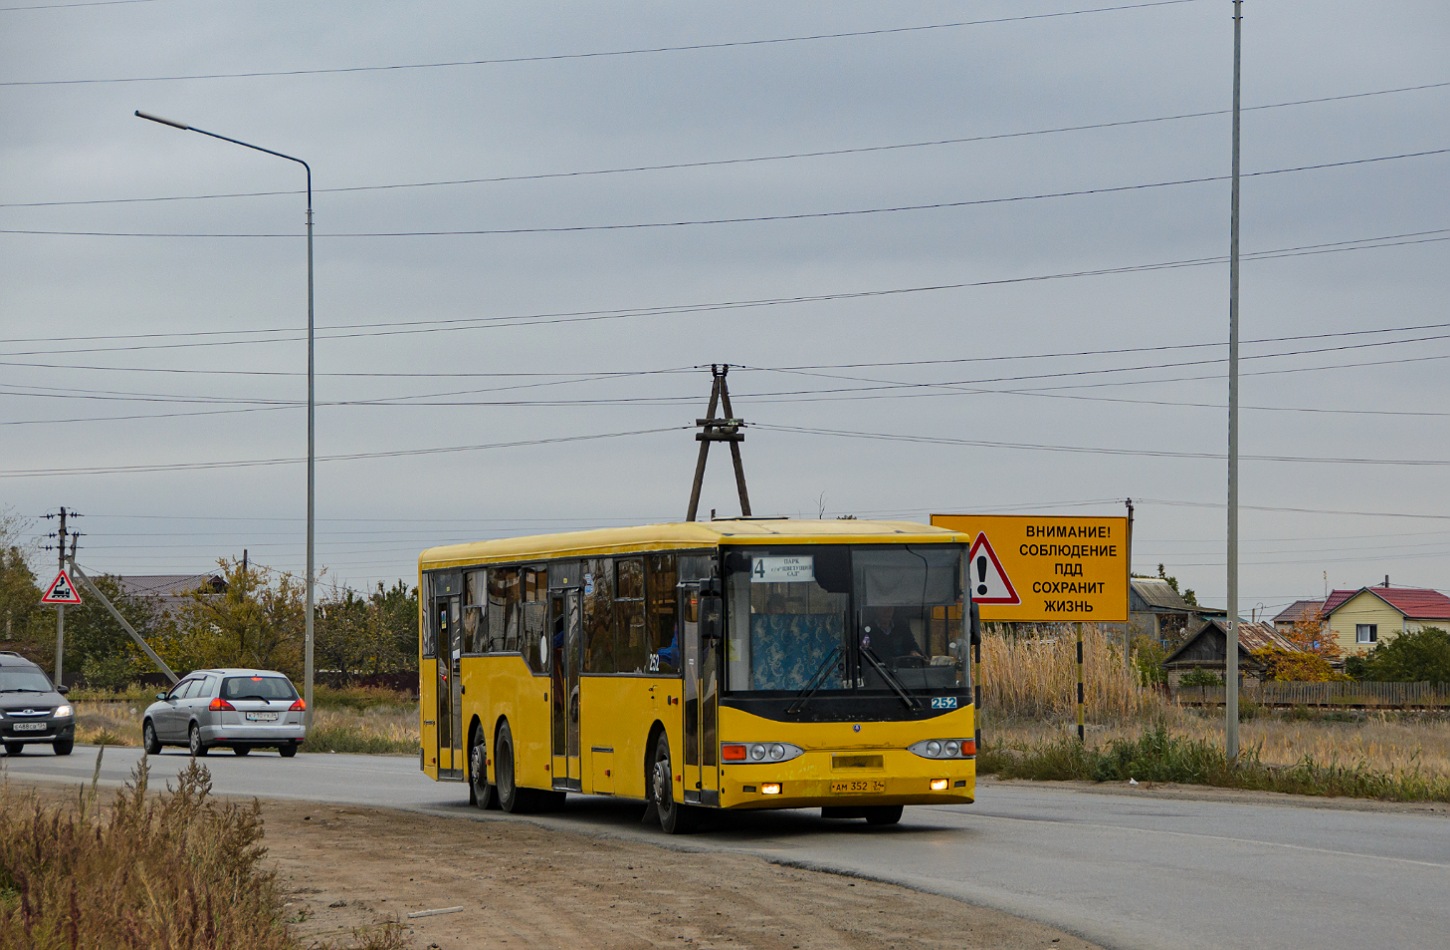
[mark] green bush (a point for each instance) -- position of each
(1200, 677)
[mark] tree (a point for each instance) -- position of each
(1313, 636)
(1415, 657)
(256, 621)
(1297, 666)
(99, 647)
(25, 625)
(373, 634)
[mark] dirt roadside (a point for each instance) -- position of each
(510, 883)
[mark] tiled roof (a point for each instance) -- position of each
(1416, 603)
(1300, 610)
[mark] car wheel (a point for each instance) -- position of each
(675, 818)
(288, 750)
(194, 743)
(63, 746)
(882, 814)
(149, 740)
(480, 792)
(14, 748)
(241, 749)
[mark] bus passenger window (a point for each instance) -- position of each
(534, 644)
(663, 629)
(475, 599)
(503, 610)
(629, 612)
(599, 616)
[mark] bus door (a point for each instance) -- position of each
(701, 672)
(447, 637)
(564, 665)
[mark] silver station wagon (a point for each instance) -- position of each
(236, 709)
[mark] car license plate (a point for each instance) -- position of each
(261, 717)
(29, 727)
(858, 787)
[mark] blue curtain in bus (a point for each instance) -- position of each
(786, 650)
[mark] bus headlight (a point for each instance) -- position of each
(944, 748)
(752, 752)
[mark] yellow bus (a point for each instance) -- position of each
(731, 664)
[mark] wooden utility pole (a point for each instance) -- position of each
(727, 429)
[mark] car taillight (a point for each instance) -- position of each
(219, 704)
(299, 706)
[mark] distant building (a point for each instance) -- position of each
(1358, 619)
(1156, 610)
(1205, 650)
(1299, 612)
(171, 591)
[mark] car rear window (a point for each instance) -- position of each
(258, 687)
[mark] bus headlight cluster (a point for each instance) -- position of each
(751, 752)
(944, 748)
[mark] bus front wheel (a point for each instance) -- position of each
(675, 818)
(882, 814)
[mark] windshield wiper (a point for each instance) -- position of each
(890, 678)
(818, 679)
(23, 689)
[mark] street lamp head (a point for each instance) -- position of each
(156, 118)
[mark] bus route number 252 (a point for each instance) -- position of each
(943, 702)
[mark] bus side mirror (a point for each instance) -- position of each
(974, 625)
(712, 609)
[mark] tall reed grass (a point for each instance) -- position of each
(1035, 676)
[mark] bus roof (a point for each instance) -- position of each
(688, 534)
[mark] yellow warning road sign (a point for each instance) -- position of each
(1042, 568)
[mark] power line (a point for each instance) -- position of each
(748, 219)
(1359, 244)
(349, 457)
(603, 54)
(751, 159)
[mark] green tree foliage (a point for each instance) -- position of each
(25, 625)
(377, 633)
(1189, 597)
(1417, 657)
(99, 647)
(257, 621)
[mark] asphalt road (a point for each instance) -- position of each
(1123, 868)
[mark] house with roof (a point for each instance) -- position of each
(1156, 610)
(1358, 619)
(171, 591)
(1298, 613)
(1206, 649)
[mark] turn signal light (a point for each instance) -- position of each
(219, 704)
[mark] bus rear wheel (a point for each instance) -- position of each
(480, 792)
(675, 818)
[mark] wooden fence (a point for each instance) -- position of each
(1334, 695)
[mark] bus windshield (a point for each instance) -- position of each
(826, 619)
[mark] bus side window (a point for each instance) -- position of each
(475, 602)
(599, 616)
(535, 614)
(629, 611)
(664, 641)
(503, 609)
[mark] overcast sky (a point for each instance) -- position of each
(960, 257)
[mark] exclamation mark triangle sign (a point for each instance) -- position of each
(990, 584)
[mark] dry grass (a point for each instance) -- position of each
(1029, 691)
(1036, 677)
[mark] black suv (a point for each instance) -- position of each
(32, 708)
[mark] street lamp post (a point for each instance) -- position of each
(311, 400)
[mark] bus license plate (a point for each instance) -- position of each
(261, 717)
(858, 787)
(29, 727)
